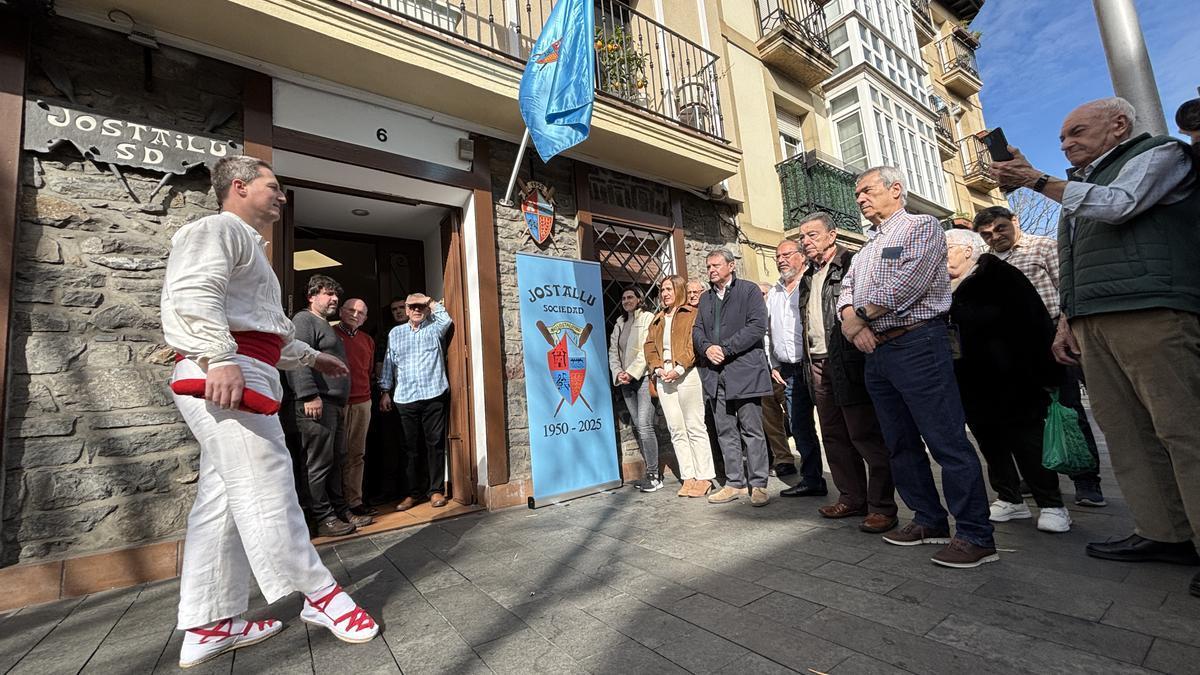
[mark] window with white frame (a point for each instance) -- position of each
(791, 136)
(852, 141)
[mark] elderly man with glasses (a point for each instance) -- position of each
(786, 330)
(414, 383)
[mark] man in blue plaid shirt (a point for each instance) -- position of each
(414, 383)
(893, 307)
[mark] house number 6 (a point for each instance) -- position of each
(381, 134)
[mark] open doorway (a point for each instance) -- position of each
(381, 248)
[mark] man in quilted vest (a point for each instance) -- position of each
(1129, 257)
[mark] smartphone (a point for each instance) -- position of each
(997, 145)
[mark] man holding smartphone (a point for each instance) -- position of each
(1129, 253)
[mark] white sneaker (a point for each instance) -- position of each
(1002, 511)
(1054, 520)
(334, 610)
(208, 642)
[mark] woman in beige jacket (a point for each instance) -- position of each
(627, 363)
(671, 360)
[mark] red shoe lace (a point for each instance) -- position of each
(219, 631)
(357, 618)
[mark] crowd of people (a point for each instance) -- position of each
(326, 419)
(924, 334)
(899, 348)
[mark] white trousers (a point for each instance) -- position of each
(246, 517)
(683, 407)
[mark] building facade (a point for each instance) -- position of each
(393, 126)
(948, 47)
(828, 88)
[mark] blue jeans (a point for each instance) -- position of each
(800, 413)
(636, 395)
(911, 381)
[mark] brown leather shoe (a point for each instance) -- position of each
(877, 523)
(700, 487)
(406, 504)
(686, 490)
(962, 554)
(840, 510)
(437, 500)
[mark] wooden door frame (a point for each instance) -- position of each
(262, 138)
(14, 54)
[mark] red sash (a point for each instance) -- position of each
(265, 347)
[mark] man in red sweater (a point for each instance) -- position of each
(360, 357)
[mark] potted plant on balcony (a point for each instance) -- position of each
(621, 65)
(970, 37)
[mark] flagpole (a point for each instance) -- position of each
(516, 167)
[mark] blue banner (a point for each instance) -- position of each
(558, 87)
(572, 441)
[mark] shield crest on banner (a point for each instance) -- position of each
(537, 204)
(568, 367)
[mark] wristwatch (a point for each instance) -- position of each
(1040, 184)
(861, 313)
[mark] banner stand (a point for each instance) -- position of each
(551, 500)
(568, 387)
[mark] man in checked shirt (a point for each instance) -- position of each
(414, 383)
(893, 307)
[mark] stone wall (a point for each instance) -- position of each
(512, 237)
(96, 456)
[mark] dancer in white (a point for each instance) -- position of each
(221, 311)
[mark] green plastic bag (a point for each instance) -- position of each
(1064, 448)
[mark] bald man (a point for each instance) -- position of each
(1129, 254)
(360, 357)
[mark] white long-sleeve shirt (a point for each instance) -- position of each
(786, 331)
(219, 281)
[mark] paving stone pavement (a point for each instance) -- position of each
(625, 582)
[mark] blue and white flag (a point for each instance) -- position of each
(558, 88)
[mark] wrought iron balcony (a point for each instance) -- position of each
(944, 126)
(795, 39)
(960, 70)
(813, 181)
(923, 22)
(976, 162)
(639, 62)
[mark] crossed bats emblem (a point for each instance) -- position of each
(566, 359)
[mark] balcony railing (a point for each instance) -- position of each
(639, 62)
(813, 181)
(944, 125)
(804, 17)
(976, 162)
(923, 21)
(956, 53)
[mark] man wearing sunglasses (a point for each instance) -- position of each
(414, 383)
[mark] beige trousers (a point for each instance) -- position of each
(776, 426)
(1143, 378)
(358, 419)
(683, 408)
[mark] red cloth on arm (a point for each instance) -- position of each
(265, 347)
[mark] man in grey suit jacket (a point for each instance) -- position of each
(728, 338)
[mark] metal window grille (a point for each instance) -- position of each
(631, 255)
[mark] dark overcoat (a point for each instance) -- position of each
(1005, 335)
(845, 365)
(737, 324)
